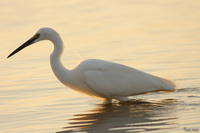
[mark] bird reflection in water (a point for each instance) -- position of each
(134, 116)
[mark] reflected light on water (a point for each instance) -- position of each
(138, 115)
(158, 37)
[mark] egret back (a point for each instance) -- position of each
(113, 79)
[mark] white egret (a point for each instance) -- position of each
(99, 78)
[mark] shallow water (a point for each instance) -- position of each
(158, 37)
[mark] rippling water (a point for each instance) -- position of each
(158, 37)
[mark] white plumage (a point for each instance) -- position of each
(99, 78)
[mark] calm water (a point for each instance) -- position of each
(158, 37)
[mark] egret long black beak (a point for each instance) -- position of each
(27, 43)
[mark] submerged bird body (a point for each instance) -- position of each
(110, 80)
(99, 78)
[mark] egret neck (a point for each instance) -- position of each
(55, 60)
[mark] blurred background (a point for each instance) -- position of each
(158, 37)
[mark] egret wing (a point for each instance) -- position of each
(112, 79)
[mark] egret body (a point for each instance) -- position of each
(99, 78)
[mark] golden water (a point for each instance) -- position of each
(158, 37)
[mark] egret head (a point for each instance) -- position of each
(41, 34)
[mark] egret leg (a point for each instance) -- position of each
(107, 101)
(122, 99)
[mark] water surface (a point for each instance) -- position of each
(158, 37)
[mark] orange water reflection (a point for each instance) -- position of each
(137, 115)
(158, 37)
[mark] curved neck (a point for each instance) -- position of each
(58, 49)
(57, 67)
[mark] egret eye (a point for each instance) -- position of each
(37, 35)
